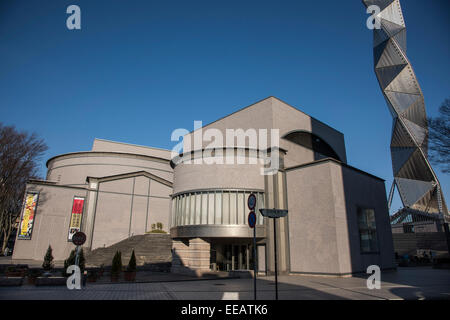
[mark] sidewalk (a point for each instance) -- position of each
(406, 283)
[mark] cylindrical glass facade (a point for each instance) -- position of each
(219, 207)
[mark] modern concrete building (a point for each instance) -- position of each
(123, 190)
(338, 221)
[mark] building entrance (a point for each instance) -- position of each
(229, 257)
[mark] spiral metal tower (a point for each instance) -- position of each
(414, 177)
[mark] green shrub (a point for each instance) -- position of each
(157, 228)
(71, 260)
(48, 260)
(11, 269)
(156, 231)
(132, 263)
(116, 266)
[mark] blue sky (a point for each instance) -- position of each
(137, 70)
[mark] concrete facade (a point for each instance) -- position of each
(202, 202)
(126, 189)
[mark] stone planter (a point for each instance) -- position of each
(13, 274)
(12, 281)
(130, 275)
(31, 280)
(115, 277)
(51, 281)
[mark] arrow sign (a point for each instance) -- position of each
(273, 213)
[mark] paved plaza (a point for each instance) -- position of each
(405, 283)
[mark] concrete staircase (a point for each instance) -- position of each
(153, 252)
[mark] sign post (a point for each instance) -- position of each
(251, 203)
(78, 239)
(274, 214)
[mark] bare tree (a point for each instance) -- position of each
(20, 153)
(439, 137)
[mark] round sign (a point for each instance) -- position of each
(79, 238)
(251, 219)
(251, 202)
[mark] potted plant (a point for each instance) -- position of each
(130, 273)
(33, 273)
(101, 270)
(116, 267)
(11, 271)
(47, 265)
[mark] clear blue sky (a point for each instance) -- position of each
(139, 69)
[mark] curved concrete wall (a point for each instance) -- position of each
(73, 168)
(189, 177)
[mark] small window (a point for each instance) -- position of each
(367, 230)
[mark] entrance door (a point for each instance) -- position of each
(228, 257)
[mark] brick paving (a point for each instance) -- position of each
(405, 283)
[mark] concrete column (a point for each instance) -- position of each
(88, 220)
(191, 256)
(276, 197)
(199, 254)
(180, 255)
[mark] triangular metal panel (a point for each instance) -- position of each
(400, 156)
(413, 190)
(379, 36)
(416, 168)
(416, 113)
(401, 101)
(390, 27)
(387, 74)
(400, 38)
(405, 82)
(400, 137)
(390, 56)
(418, 132)
(378, 51)
(393, 13)
(394, 113)
(380, 3)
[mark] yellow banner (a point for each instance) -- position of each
(29, 211)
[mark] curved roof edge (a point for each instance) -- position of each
(107, 153)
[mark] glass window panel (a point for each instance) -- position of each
(240, 208)
(367, 230)
(187, 205)
(178, 211)
(204, 215)
(233, 206)
(370, 216)
(192, 209)
(198, 207)
(172, 212)
(218, 219)
(373, 241)
(226, 208)
(185, 209)
(362, 222)
(211, 207)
